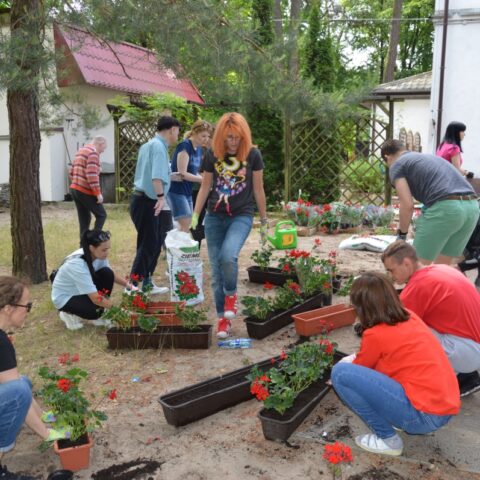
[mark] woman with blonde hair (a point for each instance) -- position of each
(234, 174)
(186, 161)
(17, 405)
(401, 378)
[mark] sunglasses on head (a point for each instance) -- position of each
(28, 306)
(103, 236)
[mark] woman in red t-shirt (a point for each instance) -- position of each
(401, 378)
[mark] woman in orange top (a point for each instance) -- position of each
(401, 378)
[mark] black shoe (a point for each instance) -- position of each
(468, 383)
(6, 475)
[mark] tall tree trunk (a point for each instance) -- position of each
(389, 73)
(293, 64)
(278, 16)
(22, 102)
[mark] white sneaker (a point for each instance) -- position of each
(158, 290)
(372, 443)
(102, 322)
(71, 321)
(131, 291)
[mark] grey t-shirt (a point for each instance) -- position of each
(232, 192)
(429, 178)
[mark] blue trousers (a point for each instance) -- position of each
(381, 402)
(225, 238)
(15, 400)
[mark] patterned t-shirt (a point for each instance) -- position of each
(232, 192)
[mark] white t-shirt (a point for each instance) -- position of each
(73, 278)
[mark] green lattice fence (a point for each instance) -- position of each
(129, 137)
(340, 161)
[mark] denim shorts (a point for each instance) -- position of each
(15, 401)
(181, 205)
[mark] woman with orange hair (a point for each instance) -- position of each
(234, 175)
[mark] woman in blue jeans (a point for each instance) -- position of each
(17, 406)
(401, 378)
(234, 174)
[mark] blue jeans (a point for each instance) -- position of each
(225, 238)
(181, 205)
(381, 402)
(15, 400)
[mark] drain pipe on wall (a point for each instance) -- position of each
(442, 72)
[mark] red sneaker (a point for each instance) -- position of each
(223, 328)
(230, 306)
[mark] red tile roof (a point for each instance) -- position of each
(118, 66)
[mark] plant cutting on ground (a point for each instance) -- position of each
(63, 395)
(336, 454)
(299, 368)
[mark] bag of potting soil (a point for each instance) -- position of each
(184, 267)
(372, 243)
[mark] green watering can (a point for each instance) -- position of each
(285, 235)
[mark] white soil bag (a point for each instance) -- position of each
(372, 243)
(184, 267)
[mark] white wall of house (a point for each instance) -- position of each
(461, 97)
(58, 148)
(413, 115)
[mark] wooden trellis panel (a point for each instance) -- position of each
(340, 161)
(129, 137)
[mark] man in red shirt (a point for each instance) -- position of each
(85, 186)
(447, 302)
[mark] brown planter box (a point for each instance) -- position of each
(317, 321)
(163, 307)
(275, 276)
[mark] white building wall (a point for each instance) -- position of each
(461, 93)
(414, 115)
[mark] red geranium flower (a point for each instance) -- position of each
(268, 286)
(286, 268)
(283, 356)
(295, 287)
(318, 242)
(75, 358)
(63, 358)
(328, 346)
(112, 395)
(64, 384)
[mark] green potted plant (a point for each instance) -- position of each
(62, 393)
(262, 272)
(290, 391)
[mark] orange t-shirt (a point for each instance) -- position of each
(409, 353)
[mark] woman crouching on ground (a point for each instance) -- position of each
(17, 406)
(84, 281)
(401, 378)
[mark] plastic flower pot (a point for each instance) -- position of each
(134, 338)
(259, 329)
(61, 475)
(180, 337)
(76, 457)
(318, 321)
(275, 276)
(200, 400)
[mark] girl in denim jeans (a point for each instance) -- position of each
(233, 182)
(401, 378)
(16, 403)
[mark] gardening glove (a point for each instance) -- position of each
(348, 358)
(263, 234)
(194, 222)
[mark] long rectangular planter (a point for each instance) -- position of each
(260, 329)
(163, 336)
(210, 396)
(275, 276)
(324, 319)
(276, 426)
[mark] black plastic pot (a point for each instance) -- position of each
(272, 275)
(211, 396)
(163, 336)
(61, 475)
(278, 426)
(261, 329)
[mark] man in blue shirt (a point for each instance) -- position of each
(147, 207)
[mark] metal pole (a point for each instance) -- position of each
(442, 72)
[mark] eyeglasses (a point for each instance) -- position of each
(28, 306)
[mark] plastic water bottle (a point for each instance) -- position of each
(236, 343)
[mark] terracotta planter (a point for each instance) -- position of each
(163, 307)
(275, 276)
(259, 329)
(306, 231)
(317, 321)
(165, 319)
(74, 458)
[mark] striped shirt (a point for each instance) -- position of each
(85, 171)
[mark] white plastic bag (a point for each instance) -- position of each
(184, 267)
(372, 243)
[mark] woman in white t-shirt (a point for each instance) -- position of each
(84, 281)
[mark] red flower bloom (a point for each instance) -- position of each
(63, 358)
(307, 213)
(327, 208)
(138, 302)
(308, 204)
(332, 254)
(326, 286)
(75, 358)
(283, 356)
(300, 201)
(295, 288)
(328, 346)
(299, 210)
(265, 378)
(272, 361)
(337, 453)
(268, 286)
(318, 242)
(286, 268)
(64, 384)
(112, 395)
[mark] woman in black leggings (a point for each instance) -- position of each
(84, 281)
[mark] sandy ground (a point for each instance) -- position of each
(229, 444)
